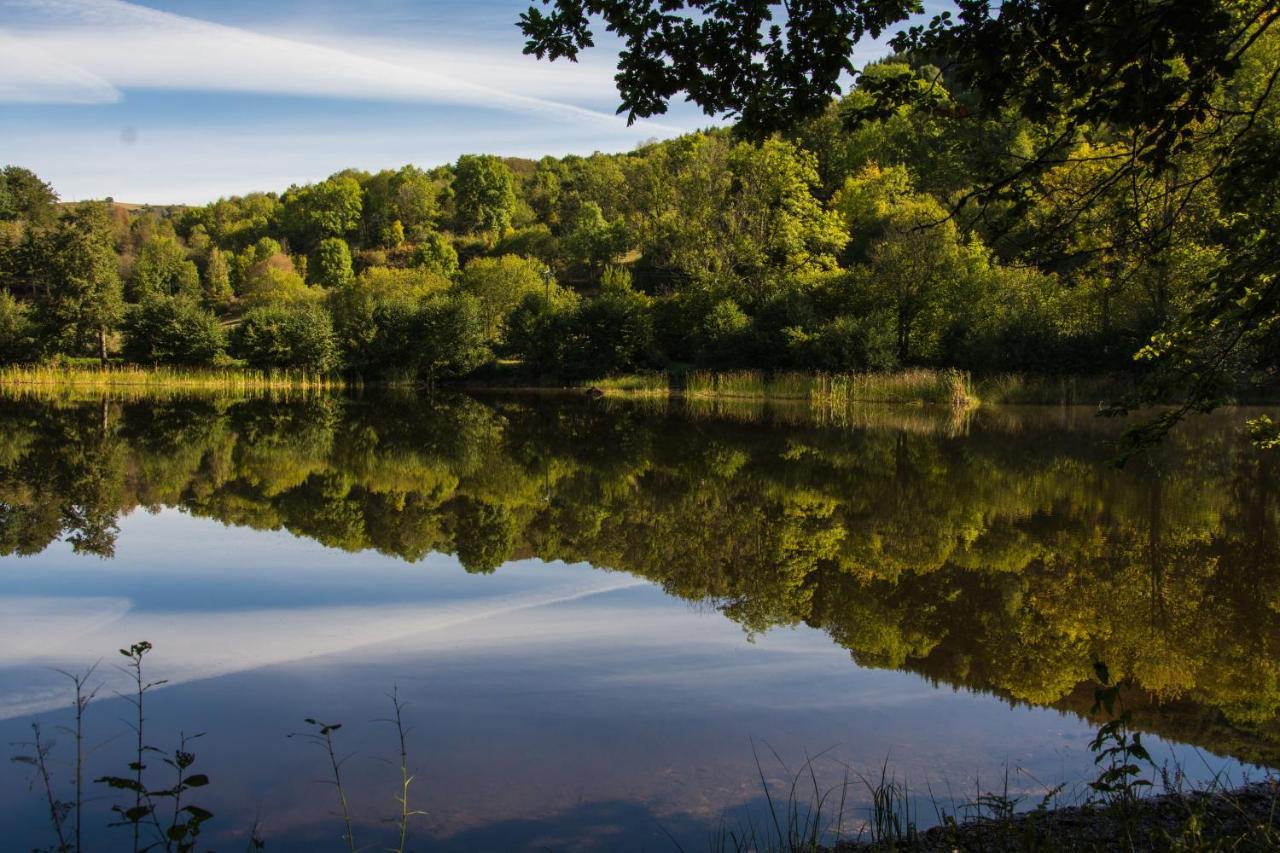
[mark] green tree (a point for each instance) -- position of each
(162, 269)
(435, 252)
(315, 212)
(594, 242)
(80, 300)
(452, 336)
(293, 337)
(498, 284)
(217, 280)
(484, 194)
(16, 344)
(330, 265)
(408, 197)
(172, 330)
(23, 196)
(274, 280)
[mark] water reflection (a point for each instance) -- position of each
(999, 554)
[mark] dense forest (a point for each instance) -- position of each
(832, 245)
(1006, 558)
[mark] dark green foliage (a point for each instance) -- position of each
(16, 330)
(23, 196)
(173, 330)
(292, 337)
(743, 58)
(452, 339)
(484, 537)
(80, 299)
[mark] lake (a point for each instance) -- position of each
(606, 621)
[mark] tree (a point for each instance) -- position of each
(80, 299)
(498, 285)
(274, 280)
(15, 331)
(1187, 88)
(312, 213)
(594, 242)
(436, 253)
(451, 335)
(484, 194)
(292, 337)
(407, 197)
(172, 330)
(912, 270)
(739, 217)
(24, 197)
(330, 265)
(162, 269)
(217, 280)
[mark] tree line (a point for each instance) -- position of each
(831, 244)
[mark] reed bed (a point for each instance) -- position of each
(149, 380)
(830, 392)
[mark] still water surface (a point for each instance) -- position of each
(598, 615)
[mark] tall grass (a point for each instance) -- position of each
(150, 379)
(828, 391)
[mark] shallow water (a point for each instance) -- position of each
(605, 620)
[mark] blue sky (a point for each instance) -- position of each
(181, 101)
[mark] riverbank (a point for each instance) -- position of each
(1240, 819)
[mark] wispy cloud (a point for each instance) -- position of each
(42, 635)
(89, 51)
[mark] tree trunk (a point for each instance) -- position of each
(102, 345)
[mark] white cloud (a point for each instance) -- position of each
(44, 634)
(28, 75)
(85, 51)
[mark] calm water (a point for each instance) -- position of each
(597, 615)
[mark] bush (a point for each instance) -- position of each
(172, 330)
(613, 333)
(845, 344)
(295, 337)
(16, 342)
(536, 241)
(539, 333)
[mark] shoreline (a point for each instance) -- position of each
(1246, 817)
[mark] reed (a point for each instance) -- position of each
(829, 392)
(112, 378)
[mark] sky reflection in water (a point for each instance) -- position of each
(555, 704)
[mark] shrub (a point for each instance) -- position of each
(172, 330)
(297, 337)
